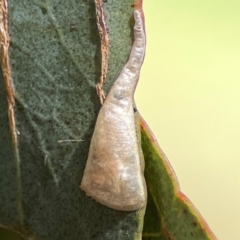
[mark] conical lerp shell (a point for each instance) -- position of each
(113, 175)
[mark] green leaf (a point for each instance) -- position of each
(55, 63)
(169, 215)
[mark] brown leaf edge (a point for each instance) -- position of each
(184, 201)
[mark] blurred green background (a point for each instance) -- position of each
(189, 94)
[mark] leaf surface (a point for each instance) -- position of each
(169, 215)
(55, 64)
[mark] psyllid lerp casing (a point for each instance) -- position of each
(113, 175)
